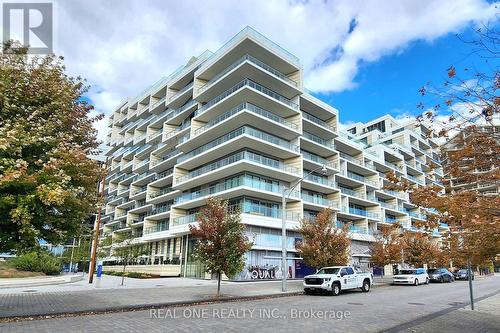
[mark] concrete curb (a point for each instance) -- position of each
(139, 307)
(36, 282)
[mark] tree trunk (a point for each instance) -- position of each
(218, 283)
(123, 273)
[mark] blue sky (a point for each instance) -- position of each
(365, 58)
(390, 85)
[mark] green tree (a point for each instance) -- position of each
(323, 244)
(124, 248)
(47, 183)
(221, 241)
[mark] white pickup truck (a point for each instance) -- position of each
(337, 278)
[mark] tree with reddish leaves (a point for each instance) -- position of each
(221, 242)
(418, 249)
(323, 244)
(466, 116)
(387, 249)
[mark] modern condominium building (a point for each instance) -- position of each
(238, 124)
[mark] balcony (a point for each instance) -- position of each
(273, 189)
(279, 102)
(358, 161)
(318, 160)
(162, 226)
(360, 212)
(250, 107)
(176, 101)
(352, 193)
(178, 115)
(318, 200)
(181, 220)
(318, 184)
(247, 207)
(166, 157)
(390, 220)
(218, 170)
(316, 125)
(252, 60)
(285, 148)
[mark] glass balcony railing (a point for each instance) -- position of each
(243, 155)
(161, 192)
(238, 62)
(319, 200)
(317, 139)
(351, 158)
(416, 180)
(191, 218)
(181, 109)
(142, 163)
(249, 207)
(271, 240)
(238, 132)
(318, 121)
(251, 84)
(166, 157)
(387, 205)
(352, 192)
(245, 106)
(162, 100)
(318, 159)
(416, 215)
(390, 219)
(161, 209)
(319, 180)
(180, 92)
(246, 180)
(162, 226)
(353, 228)
(357, 211)
(164, 174)
(394, 193)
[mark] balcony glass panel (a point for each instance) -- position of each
(251, 84)
(238, 132)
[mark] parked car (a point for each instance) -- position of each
(440, 275)
(337, 278)
(463, 274)
(411, 276)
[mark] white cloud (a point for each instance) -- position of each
(123, 46)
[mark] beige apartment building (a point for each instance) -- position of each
(239, 125)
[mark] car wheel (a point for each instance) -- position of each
(366, 286)
(307, 291)
(426, 280)
(335, 289)
(441, 280)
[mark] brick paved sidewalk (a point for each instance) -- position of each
(485, 319)
(96, 300)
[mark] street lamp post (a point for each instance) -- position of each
(285, 195)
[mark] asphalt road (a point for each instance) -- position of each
(386, 308)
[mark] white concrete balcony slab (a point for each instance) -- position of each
(251, 92)
(235, 164)
(242, 138)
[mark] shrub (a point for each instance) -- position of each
(37, 262)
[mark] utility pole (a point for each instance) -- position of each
(469, 274)
(97, 226)
(71, 259)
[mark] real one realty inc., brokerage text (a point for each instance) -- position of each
(246, 313)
